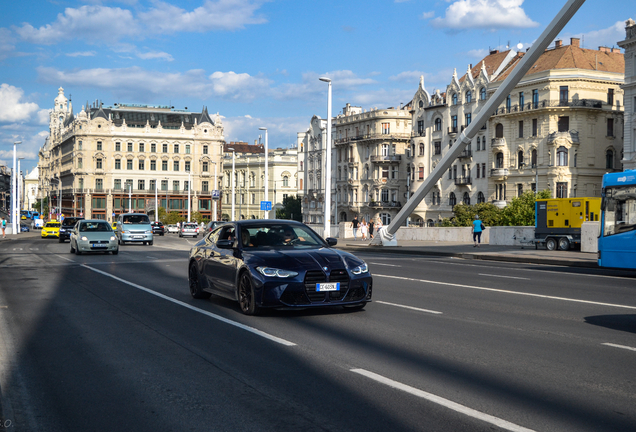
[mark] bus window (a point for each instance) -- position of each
(620, 210)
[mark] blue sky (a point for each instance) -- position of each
(257, 62)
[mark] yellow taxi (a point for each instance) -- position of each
(114, 226)
(51, 229)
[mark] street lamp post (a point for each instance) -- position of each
(19, 195)
(266, 171)
(166, 179)
(233, 184)
(156, 203)
(216, 167)
(14, 191)
(327, 175)
(129, 197)
(189, 187)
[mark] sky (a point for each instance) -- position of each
(257, 62)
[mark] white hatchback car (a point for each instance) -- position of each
(189, 229)
(173, 228)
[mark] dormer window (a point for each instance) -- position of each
(469, 96)
(454, 99)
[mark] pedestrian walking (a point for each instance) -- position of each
(478, 228)
(363, 229)
(354, 225)
(371, 228)
(4, 227)
(378, 225)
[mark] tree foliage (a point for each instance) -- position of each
(291, 209)
(519, 212)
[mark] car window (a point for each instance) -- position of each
(136, 219)
(279, 235)
(94, 227)
(227, 233)
(52, 225)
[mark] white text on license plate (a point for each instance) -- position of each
(334, 286)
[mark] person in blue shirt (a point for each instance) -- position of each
(478, 227)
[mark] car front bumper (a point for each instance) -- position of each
(136, 237)
(97, 246)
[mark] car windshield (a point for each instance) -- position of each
(190, 226)
(95, 227)
(52, 225)
(279, 235)
(136, 219)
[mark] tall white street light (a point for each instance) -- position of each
(14, 192)
(156, 202)
(18, 200)
(166, 179)
(266, 171)
(189, 187)
(129, 197)
(232, 216)
(327, 173)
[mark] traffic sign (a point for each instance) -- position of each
(266, 205)
(216, 194)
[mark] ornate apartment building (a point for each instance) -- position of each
(91, 162)
(249, 177)
(629, 89)
(312, 154)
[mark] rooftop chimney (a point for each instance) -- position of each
(575, 42)
(494, 52)
(558, 43)
(616, 50)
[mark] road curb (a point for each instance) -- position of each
(472, 256)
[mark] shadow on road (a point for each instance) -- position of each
(615, 322)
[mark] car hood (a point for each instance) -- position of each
(91, 236)
(302, 259)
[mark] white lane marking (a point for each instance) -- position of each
(64, 258)
(502, 276)
(407, 307)
(388, 265)
(619, 346)
(201, 311)
(508, 292)
(443, 402)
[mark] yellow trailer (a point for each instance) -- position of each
(558, 220)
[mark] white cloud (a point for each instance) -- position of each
(155, 55)
(82, 54)
(603, 37)
(11, 107)
(463, 14)
(6, 43)
(99, 23)
(427, 15)
(239, 86)
(408, 76)
(213, 15)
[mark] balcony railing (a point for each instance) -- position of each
(463, 181)
(529, 106)
(498, 142)
(421, 133)
(388, 158)
(373, 136)
(499, 172)
(452, 130)
(466, 154)
(385, 204)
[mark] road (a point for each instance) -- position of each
(103, 342)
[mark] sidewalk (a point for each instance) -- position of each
(519, 254)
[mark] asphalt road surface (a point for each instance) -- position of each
(103, 343)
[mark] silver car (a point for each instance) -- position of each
(189, 229)
(93, 235)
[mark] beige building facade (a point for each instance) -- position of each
(109, 160)
(312, 154)
(629, 90)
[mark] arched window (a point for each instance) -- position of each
(478, 143)
(454, 98)
(386, 218)
(421, 104)
(285, 181)
(430, 223)
(466, 198)
(499, 131)
(452, 200)
(482, 93)
(469, 96)
(562, 156)
(520, 159)
(609, 159)
(481, 198)
(343, 217)
(421, 149)
(438, 124)
(499, 160)
(534, 158)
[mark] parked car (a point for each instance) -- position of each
(50, 229)
(134, 228)
(158, 228)
(173, 228)
(93, 235)
(189, 229)
(66, 226)
(273, 263)
(24, 228)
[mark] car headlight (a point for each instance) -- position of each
(113, 238)
(360, 269)
(274, 272)
(84, 238)
(149, 232)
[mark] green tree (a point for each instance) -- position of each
(465, 215)
(291, 209)
(520, 211)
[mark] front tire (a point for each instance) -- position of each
(72, 248)
(195, 285)
(247, 300)
(115, 252)
(551, 244)
(564, 244)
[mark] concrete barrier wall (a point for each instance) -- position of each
(493, 235)
(589, 236)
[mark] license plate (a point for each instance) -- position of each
(140, 237)
(334, 286)
(99, 246)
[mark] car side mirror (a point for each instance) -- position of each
(332, 241)
(225, 244)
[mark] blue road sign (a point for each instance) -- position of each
(266, 205)
(216, 194)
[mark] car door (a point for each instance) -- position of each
(221, 264)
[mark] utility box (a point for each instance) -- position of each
(558, 220)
